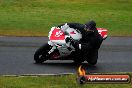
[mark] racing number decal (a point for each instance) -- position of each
(57, 34)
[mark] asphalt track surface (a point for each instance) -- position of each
(16, 57)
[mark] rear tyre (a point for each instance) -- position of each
(41, 54)
(92, 62)
(92, 59)
(78, 61)
(77, 57)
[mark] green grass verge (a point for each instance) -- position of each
(68, 81)
(36, 17)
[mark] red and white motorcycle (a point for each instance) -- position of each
(57, 48)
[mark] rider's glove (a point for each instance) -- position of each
(68, 39)
(74, 43)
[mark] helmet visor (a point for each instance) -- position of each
(88, 29)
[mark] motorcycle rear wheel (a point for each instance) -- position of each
(41, 54)
(92, 62)
(78, 61)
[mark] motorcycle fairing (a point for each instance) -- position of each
(57, 36)
(102, 32)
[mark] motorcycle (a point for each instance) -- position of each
(57, 48)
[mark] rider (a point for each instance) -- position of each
(90, 43)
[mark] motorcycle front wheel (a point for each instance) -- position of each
(41, 54)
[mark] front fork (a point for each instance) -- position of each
(54, 55)
(53, 48)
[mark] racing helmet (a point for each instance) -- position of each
(90, 26)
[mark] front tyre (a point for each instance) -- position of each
(41, 54)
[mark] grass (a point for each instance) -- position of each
(68, 81)
(36, 17)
